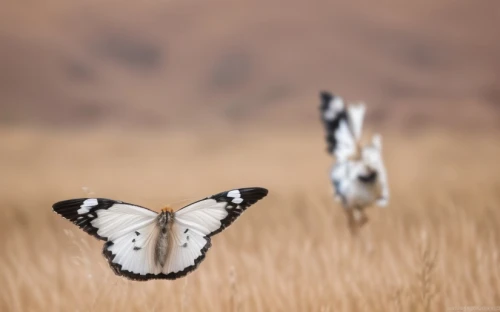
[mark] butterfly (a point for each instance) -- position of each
(142, 244)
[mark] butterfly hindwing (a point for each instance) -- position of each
(187, 249)
(133, 254)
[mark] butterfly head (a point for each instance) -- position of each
(165, 216)
(167, 209)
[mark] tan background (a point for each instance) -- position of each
(165, 102)
(174, 63)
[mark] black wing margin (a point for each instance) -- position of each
(81, 211)
(331, 119)
(249, 196)
(118, 270)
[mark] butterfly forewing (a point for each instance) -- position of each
(211, 215)
(104, 218)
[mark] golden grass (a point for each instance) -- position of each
(434, 248)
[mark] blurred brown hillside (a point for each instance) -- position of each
(220, 62)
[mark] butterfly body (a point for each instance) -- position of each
(142, 244)
(165, 222)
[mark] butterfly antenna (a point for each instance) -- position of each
(188, 199)
(167, 208)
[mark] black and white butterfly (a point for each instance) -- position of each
(142, 244)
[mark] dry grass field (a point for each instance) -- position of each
(434, 248)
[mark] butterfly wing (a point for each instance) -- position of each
(103, 218)
(187, 249)
(213, 214)
(194, 225)
(133, 254)
(130, 232)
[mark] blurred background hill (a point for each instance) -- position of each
(172, 64)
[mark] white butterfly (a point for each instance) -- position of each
(358, 175)
(142, 244)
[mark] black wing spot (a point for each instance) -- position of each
(186, 230)
(137, 248)
(185, 245)
(187, 237)
(133, 241)
(137, 233)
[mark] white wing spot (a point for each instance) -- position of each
(237, 200)
(329, 114)
(334, 108)
(234, 193)
(87, 204)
